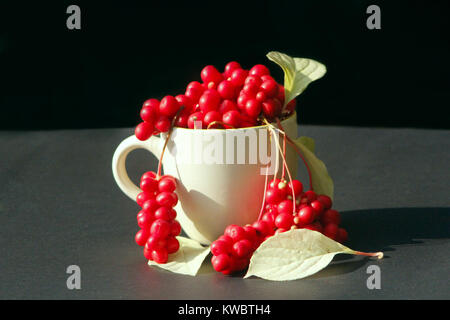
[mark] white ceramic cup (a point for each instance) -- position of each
(212, 195)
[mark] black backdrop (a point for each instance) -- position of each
(126, 52)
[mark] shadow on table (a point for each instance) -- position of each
(380, 229)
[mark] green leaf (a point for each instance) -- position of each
(298, 73)
(296, 254)
(321, 180)
(187, 260)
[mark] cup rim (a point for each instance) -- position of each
(245, 128)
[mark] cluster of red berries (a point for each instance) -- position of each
(232, 251)
(157, 218)
(232, 99)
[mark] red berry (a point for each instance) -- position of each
(270, 87)
(326, 201)
(147, 253)
(297, 187)
(149, 185)
(316, 226)
(240, 264)
(235, 232)
(309, 196)
(226, 89)
(261, 96)
(163, 213)
(262, 228)
(168, 106)
(274, 195)
(148, 174)
(253, 107)
(142, 197)
(194, 94)
(250, 233)
(242, 100)
(150, 113)
(221, 262)
(209, 101)
(143, 131)
(318, 206)
(211, 74)
(267, 77)
(167, 184)
(342, 235)
(242, 248)
(145, 219)
(141, 237)
(162, 124)
(175, 228)
(151, 103)
(232, 118)
(160, 228)
(254, 80)
(331, 230)
(230, 67)
(238, 77)
(220, 246)
(150, 205)
(250, 89)
(227, 105)
(271, 108)
(195, 85)
(185, 101)
(212, 116)
(195, 120)
(168, 199)
(306, 215)
(330, 216)
(285, 206)
(291, 105)
(155, 243)
(160, 256)
(259, 70)
(284, 220)
(172, 245)
(280, 95)
(269, 217)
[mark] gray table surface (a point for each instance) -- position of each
(60, 206)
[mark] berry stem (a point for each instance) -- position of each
(221, 123)
(292, 143)
(271, 127)
(379, 255)
(158, 173)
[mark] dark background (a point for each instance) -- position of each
(128, 51)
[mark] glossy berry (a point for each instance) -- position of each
(160, 256)
(242, 248)
(149, 114)
(186, 102)
(162, 124)
(168, 106)
(143, 131)
(238, 77)
(226, 89)
(160, 228)
(230, 67)
(253, 107)
(142, 197)
(284, 220)
(167, 184)
(149, 185)
(285, 206)
(235, 232)
(175, 228)
(195, 121)
(167, 199)
(306, 215)
(150, 206)
(297, 187)
(141, 237)
(148, 174)
(155, 243)
(318, 207)
(220, 246)
(209, 101)
(211, 74)
(212, 116)
(172, 245)
(271, 108)
(259, 70)
(227, 105)
(145, 219)
(274, 195)
(270, 87)
(262, 228)
(221, 262)
(163, 213)
(232, 118)
(342, 235)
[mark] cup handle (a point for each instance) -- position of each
(120, 155)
